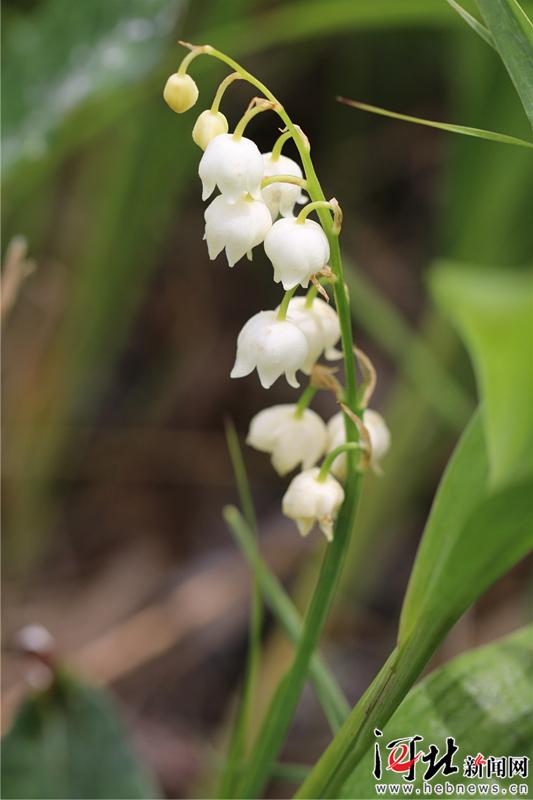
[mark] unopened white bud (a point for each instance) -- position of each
(235, 165)
(208, 125)
(291, 438)
(236, 227)
(378, 432)
(180, 93)
(272, 346)
(320, 325)
(309, 500)
(297, 251)
(281, 197)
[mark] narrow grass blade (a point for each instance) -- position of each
(478, 133)
(335, 706)
(236, 749)
(512, 32)
(476, 26)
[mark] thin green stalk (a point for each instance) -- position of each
(236, 748)
(284, 305)
(305, 399)
(335, 706)
(274, 729)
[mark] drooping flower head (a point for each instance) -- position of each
(309, 500)
(208, 125)
(378, 431)
(272, 346)
(291, 438)
(236, 227)
(297, 250)
(320, 325)
(233, 164)
(180, 92)
(282, 197)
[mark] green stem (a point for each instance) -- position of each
(182, 69)
(306, 210)
(305, 399)
(228, 80)
(284, 179)
(284, 305)
(330, 458)
(310, 296)
(274, 729)
(278, 145)
(247, 116)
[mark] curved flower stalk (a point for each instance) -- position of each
(281, 342)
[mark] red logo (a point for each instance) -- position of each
(398, 761)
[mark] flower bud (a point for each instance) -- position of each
(379, 439)
(297, 251)
(308, 500)
(291, 439)
(180, 93)
(320, 325)
(208, 125)
(234, 165)
(238, 227)
(273, 346)
(281, 197)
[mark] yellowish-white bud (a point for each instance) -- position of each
(180, 93)
(208, 125)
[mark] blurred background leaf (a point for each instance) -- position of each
(493, 311)
(67, 741)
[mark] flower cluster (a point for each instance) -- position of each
(255, 205)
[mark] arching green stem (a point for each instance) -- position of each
(284, 179)
(305, 399)
(284, 305)
(330, 458)
(249, 115)
(278, 145)
(182, 69)
(222, 88)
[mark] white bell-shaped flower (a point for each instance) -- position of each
(291, 438)
(272, 346)
(235, 165)
(309, 500)
(236, 227)
(281, 197)
(378, 432)
(297, 250)
(320, 325)
(208, 125)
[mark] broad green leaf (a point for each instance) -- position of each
(512, 32)
(490, 136)
(482, 698)
(472, 537)
(476, 26)
(493, 311)
(68, 742)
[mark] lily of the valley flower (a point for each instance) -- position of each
(273, 346)
(297, 251)
(320, 325)
(236, 227)
(281, 197)
(309, 500)
(208, 125)
(180, 92)
(291, 438)
(379, 440)
(233, 164)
